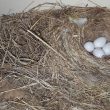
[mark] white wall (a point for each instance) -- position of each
(12, 6)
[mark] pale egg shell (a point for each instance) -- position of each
(89, 46)
(100, 42)
(106, 48)
(99, 53)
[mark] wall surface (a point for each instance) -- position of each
(12, 6)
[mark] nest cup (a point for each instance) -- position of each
(99, 26)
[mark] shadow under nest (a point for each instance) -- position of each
(35, 77)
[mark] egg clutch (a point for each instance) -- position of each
(100, 47)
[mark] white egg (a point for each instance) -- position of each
(89, 46)
(100, 42)
(98, 52)
(106, 48)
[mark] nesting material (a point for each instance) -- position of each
(43, 62)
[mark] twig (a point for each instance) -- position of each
(103, 94)
(37, 37)
(41, 18)
(30, 105)
(3, 48)
(41, 82)
(46, 3)
(6, 52)
(81, 103)
(16, 103)
(29, 85)
(16, 59)
(95, 3)
(4, 59)
(24, 104)
(28, 5)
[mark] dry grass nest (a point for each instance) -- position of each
(44, 65)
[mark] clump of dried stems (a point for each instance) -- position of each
(43, 65)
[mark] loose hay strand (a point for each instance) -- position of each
(30, 105)
(6, 51)
(28, 6)
(41, 18)
(32, 84)
(95, 3)
(46, 44)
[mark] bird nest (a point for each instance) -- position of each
(44, 65)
